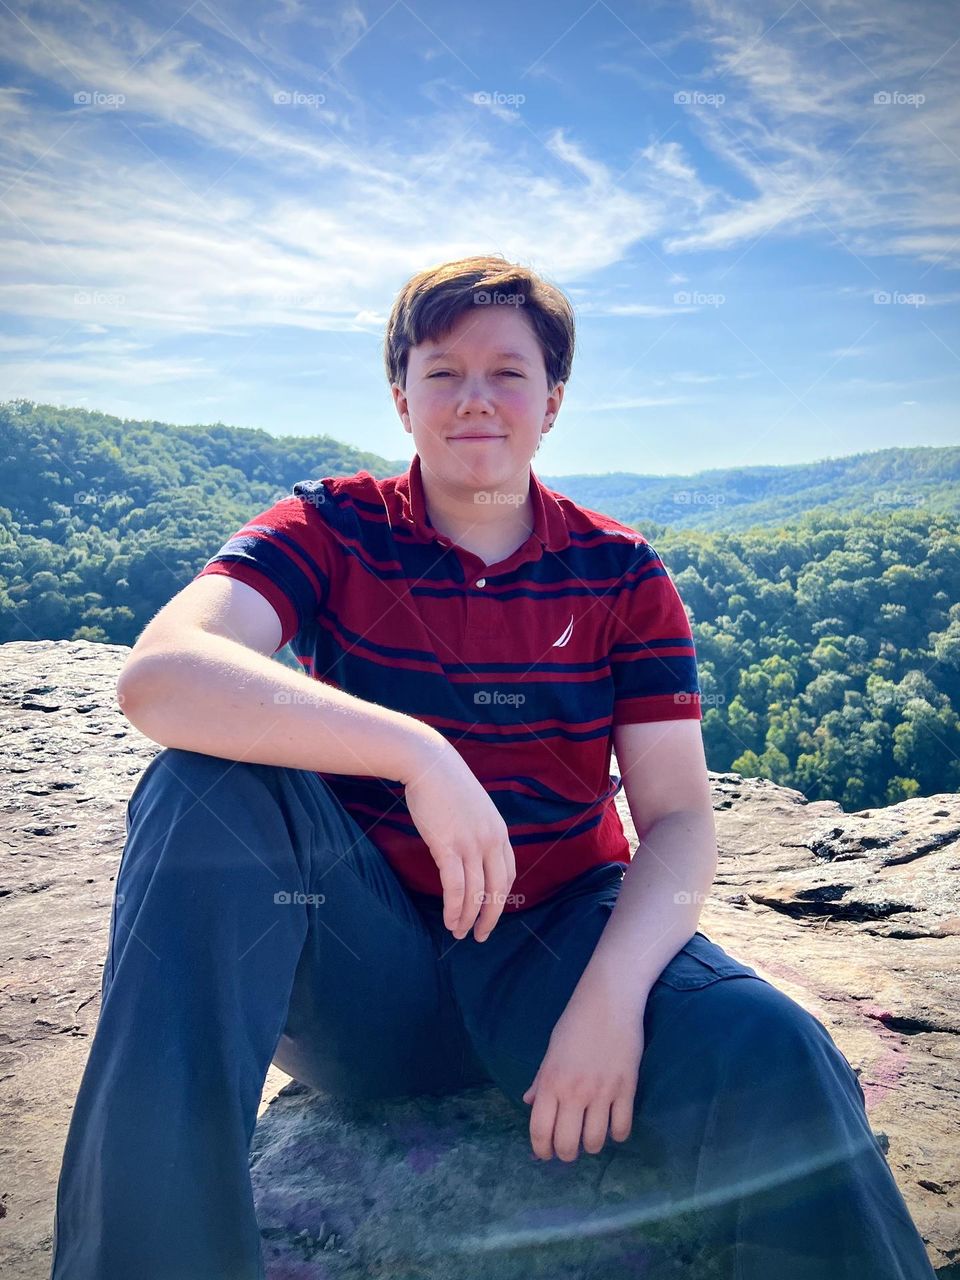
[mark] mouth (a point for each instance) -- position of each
(476, 437)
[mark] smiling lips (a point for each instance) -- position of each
(478, 437)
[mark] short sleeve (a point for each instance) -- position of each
(284, 554)
(652, 660)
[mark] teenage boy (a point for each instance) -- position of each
(405, 873)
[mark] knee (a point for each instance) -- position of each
(199, 798)
(192, 774)
(775, 1042)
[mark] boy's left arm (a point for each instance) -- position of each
(665, 886)
(588, 1075)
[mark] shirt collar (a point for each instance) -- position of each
(549, 522)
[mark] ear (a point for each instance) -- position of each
(400, 401)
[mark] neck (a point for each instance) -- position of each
(497, 525)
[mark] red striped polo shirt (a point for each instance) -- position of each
(524, 665)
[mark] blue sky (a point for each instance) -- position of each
(207, 211)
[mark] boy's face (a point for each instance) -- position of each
(475, 413)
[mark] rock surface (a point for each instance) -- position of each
(855, 916)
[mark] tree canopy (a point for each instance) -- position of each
(828, 648)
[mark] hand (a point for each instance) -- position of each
(467, 838)
(588, 1077)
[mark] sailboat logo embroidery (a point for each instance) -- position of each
(568, 632)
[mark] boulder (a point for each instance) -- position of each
(855, 916)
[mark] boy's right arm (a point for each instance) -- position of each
(200, 677)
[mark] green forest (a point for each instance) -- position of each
(828, 647)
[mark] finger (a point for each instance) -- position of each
(567, 1130)
(472, 896)
(494, 897)
(621, 1115)
(509, 865)
(451, 877)
(510, 861)
(542, 1119)
(595, 1124)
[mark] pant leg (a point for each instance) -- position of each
(766, 1131)
(744, 1104)
(252, 918)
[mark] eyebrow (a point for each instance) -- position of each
(498, 355)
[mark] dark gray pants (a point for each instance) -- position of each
(254, 922)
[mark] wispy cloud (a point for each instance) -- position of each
(844, 121)
(234, 179)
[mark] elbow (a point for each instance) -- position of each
(137, 691)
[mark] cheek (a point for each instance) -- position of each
(518, 399)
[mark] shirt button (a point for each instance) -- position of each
(481, 582)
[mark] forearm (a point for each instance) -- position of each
(659, 904)
(214, 695)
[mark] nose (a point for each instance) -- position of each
(475, 397)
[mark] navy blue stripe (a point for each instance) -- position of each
(555, 838)
(299, 550)
(643, 679)
(627, 649)
(276, 565)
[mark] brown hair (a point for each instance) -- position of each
(431, 302)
